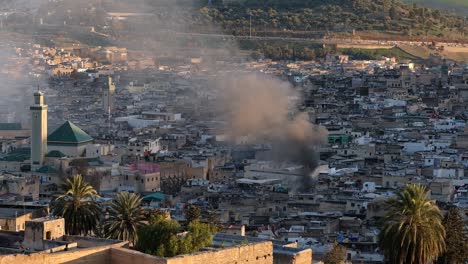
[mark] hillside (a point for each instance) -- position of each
(458, 6)
(392, 19)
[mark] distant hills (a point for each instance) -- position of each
(458, 6)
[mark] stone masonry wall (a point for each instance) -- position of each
(126, 256)
(258, 253)
(97, 255)
(303, 257)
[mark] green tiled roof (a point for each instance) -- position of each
(19, 154)
(68, 133)
(47, 169)
(55, 154)
(10, 126)
(154, 196)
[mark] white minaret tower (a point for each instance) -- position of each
(38, 131)
(108, 96)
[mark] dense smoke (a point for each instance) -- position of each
(17, 81)
(259, 110)
(15, 86)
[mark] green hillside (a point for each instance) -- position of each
(389, 19)
(458, 6)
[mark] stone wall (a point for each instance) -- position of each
(126, 256)
(39, 231)
(301, 257)
(256, 253)
(15, 223)
(97, 255)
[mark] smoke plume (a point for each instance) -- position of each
(259, 108)
(15, 85)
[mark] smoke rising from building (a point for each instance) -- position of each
(15, 86)
(258, 108)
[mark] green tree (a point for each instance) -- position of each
(192, 213)
(162, 237)
(78, 206)
(456, 239)
(336, 256)
(412, 231)
(158, 237)
(199, 235)
(393, 12)
(125, 217)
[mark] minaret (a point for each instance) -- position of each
(38, 131)
(108, 96)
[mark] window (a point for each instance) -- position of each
(48, 235)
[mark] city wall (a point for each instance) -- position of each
(257, 253)
(97, 255)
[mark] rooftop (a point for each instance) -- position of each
(10, 126)
(69, 133)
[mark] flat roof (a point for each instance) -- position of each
(13, 212)
(260, 182)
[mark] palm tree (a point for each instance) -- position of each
(78, 206)
(412, 231)
(125, 217)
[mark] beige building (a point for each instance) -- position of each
(108, 99)
(38, 131)
(14, 219)
(19, 188)
(41, 230)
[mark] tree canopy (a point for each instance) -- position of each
(412, 230)
(163, 237)
(78, 206)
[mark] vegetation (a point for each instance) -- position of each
(375, 54)
(412, 231)
(161, 237)
(127, 221)
(192, 213)
(290, 50)
(458, 6)
(336, 256)
(78, 206)
(456, 239)
(125, 217)
(290, 17)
